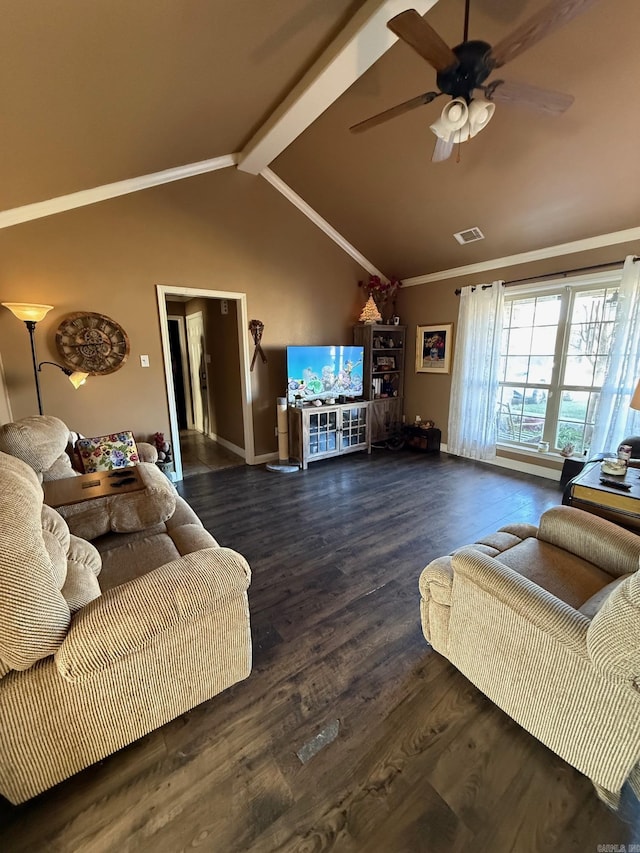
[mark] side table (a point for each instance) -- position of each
(422, 438)
(586, 492)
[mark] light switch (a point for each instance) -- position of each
(144, 361)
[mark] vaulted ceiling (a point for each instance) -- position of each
(93, 93)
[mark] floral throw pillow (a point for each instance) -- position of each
(106, 452)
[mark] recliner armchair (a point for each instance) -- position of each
(546, 623)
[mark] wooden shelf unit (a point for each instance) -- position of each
(383, 376)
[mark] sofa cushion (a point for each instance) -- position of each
(593, 604)
(568, 577)
(40, 441)
(34, 617)
(592, 538)
(105, 452)
(56, 538)
(83, 567)
(80, 587)
(126, 556)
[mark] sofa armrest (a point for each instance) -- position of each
(436, 580)
(610, 547)
(147, 452)
(130, 617)
(516, 592)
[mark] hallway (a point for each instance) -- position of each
(201, 454)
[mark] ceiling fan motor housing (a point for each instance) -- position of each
(470, 72)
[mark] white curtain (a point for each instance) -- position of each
(472, 411)
(614, 419)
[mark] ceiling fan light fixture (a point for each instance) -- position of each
(480, 114)
(461, 135)
(454, 116)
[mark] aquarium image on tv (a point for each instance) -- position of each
(324, 373)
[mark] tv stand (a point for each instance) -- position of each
(320, 432)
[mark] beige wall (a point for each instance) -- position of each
(175, 308)
(226, 230)
(224, 372)
(222, 231)
(428, 394)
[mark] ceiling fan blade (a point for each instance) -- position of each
(549, 18)
(418, 34)
(442, 150)
(398, 110)
(541, 100)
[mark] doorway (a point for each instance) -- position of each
(179, 370)
(207, 377)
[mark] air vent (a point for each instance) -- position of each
(470, 235)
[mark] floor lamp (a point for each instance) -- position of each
(30, 315)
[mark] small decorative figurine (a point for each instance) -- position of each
(163, 447)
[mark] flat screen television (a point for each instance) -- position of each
(324, 373)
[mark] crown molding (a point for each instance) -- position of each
(598, 242)
(39, 209)
(321, 223)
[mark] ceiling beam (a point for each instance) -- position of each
(363, 41)
(321, 223)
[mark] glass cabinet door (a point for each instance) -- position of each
(323, 432)
(354, 426)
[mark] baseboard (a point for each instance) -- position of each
(266, 457)
(523, 467)
(228, 445)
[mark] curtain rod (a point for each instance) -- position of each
(515, 281)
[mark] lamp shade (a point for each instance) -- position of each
(480, 114)
(77, 378)
(635, 400)
(27, 312)
(453, 117)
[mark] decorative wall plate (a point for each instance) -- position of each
(92, 343)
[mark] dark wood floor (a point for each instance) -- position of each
(422, 762)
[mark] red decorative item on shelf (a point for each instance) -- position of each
(162, 446)
(382, 291)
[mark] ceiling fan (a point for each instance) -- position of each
(463, 70)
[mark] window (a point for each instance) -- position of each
(554, 355)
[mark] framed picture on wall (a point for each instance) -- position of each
(433, 348)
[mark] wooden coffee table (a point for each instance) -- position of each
(74, 490)
(587, 492)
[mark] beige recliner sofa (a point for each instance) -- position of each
(546, 622)
(103, 641)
